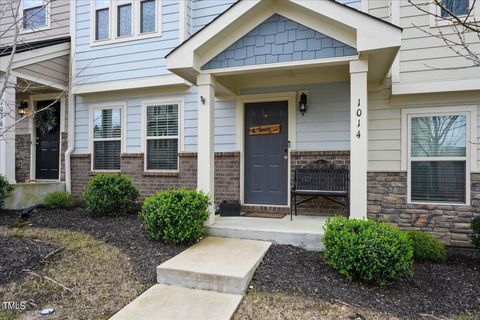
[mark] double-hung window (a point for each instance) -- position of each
(438, 151)
(102, 19)
(107, 138)
(35, 14)
(123, 20)
(162, 136)
(148, 16)
(456, 7)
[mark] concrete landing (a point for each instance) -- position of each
(177, 303)
(218, 264)
(303, 231)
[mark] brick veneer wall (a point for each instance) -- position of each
(319, 206)
(227, 174)
(23, 144)
(387, 201)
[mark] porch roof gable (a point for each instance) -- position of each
(367, 34)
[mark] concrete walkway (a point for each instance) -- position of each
(206, 281)
(304, 231)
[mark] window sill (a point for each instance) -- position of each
(122, 39)
(95, 172)
(26, 31)
(456, 204)
(161, 173)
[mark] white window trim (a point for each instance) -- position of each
(92, 108)
(118, 4)
(471, 150)
(113, 18)
(48, 8)
(180, 136)
(441, 22)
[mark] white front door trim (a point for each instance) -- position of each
(291, 97)
(33, 99)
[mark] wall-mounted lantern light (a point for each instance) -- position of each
(302, 104)
(23, 108)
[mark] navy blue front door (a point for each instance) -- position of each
(266, 153)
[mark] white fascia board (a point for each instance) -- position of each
(171, 80)
(36, 55)
(39, 80)
(183, 56)
(371, 33)
(436, 86)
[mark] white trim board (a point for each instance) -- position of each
(471, 151)
(436, 86)
(170, 80)
(123, 139)
(135, 22)
(180, 100)
(291, 97)
(32, 99)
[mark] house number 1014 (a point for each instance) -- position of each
(359, 116)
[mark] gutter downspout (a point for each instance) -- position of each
(71, 99)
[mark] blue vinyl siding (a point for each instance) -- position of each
(224, 122)
(279, 39)
(204, 11)
(125, 60)
(357, 4)
(326, 125)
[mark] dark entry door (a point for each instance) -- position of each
(266, 153)
(48, 145)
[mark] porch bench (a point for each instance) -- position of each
(320, 179)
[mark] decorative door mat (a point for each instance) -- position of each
(274, 215)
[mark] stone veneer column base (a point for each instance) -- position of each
(387, 201)
(23, 146)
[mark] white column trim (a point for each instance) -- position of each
(8, 118)
(206, 139)
(358, 138)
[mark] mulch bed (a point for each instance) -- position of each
(436, 290)
(19, 254)
(125, 232)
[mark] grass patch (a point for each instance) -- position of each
(99, 275)
(260, 305)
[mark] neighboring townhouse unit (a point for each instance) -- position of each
(171, 93)
(39, 33)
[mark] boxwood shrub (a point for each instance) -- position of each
(427, 248)
(175, 216)
(367, 250)
(5, 189)
(58, 200)
(476, 232)
(110, 194)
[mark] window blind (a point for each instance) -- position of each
(438, 150)
(162, 137)
(107, 133)
(147, 16)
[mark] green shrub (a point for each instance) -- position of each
(175, 216)
(5, 189)
(367, 250)
(59, 200)
(476, 232)
(427, 248)
(108, 193)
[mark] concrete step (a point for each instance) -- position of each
(218, 264)
(178, 303)
(304, 231)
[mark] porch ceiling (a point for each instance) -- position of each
(370, 36)
(262, 78)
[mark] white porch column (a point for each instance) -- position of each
(206, 139)
(358, 138)
(7, 128)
